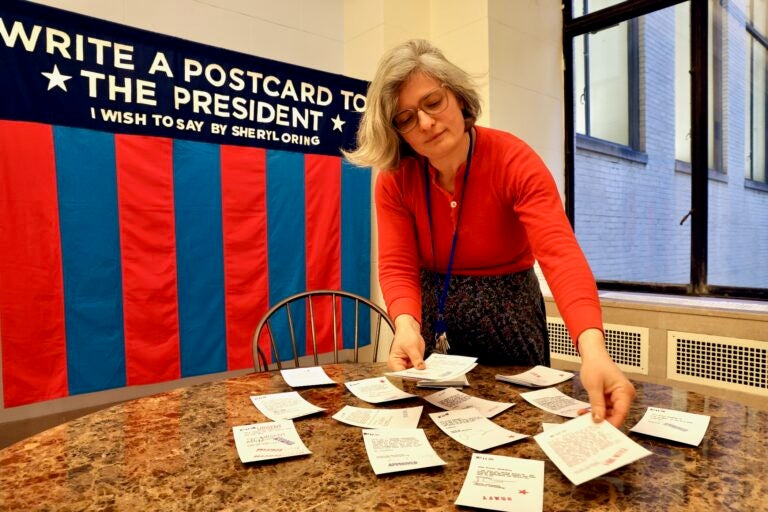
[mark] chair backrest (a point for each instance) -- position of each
(311, 312)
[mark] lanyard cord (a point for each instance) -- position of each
(440, 326)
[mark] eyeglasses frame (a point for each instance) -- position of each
(419, 107)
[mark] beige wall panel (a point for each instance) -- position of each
(534, 117)
(109, 11)
(362, 16)
(533, 63)
(236, 25)
(536, 18)
(450, 15)
(408, 17)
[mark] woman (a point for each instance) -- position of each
(462, 213)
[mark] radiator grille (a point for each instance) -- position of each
(627, 345)
(730, 362)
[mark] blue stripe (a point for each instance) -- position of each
(286, 227)
(90, 247)
(355, 243)
(199, 257)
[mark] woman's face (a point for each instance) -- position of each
(437, 136)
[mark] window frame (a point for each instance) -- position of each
(699, 213)
(756, 37)
(633, 93)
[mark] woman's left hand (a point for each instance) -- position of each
(610, 392)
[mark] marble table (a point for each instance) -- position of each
(175, 451)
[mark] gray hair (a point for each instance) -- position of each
(379, 145)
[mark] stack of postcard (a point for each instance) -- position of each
(458, 382)
(442, 371)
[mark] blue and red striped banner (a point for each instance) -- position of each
(131, 259)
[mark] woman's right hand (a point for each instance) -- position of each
(408, 346)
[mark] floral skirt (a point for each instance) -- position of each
(498, 319)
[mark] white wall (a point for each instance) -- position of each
(302, 32)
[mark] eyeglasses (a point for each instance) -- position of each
(432, 104)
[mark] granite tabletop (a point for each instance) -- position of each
(175, 452)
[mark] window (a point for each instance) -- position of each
(758, 94)
(605, 67)
(628, 210)
(683, 84)
(653, 217)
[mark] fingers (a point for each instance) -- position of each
(597, 404)
(613, 406)
(416, 357)
(621, 399)
(610, 392)
(406, 358)
(397, 363)
(407, 350)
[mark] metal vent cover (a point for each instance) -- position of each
(627, 345)
(730, 363)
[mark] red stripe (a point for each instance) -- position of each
(147, 243)
(31, 286)
(323, 239)
(244, 222)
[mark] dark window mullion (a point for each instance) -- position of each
(751, 134)
(759, 43)
(717, 88)
(587, 90)
(765, 119)
(633, 82)
(699, 149)
(614, 15)
(757, 35)
(569, 116)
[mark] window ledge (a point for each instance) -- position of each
(756, 185)
(726, 307)
(605, 147)
(659, 301)
(714, 175)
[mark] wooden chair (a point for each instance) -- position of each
(297, 307)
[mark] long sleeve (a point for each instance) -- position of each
(398, 251)
(553, 243)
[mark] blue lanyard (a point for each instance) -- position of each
(440, 326)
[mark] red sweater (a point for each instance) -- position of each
(512, 214)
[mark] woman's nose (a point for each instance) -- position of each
(425, 120)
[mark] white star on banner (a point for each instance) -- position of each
(56, 79)
(337, 123)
